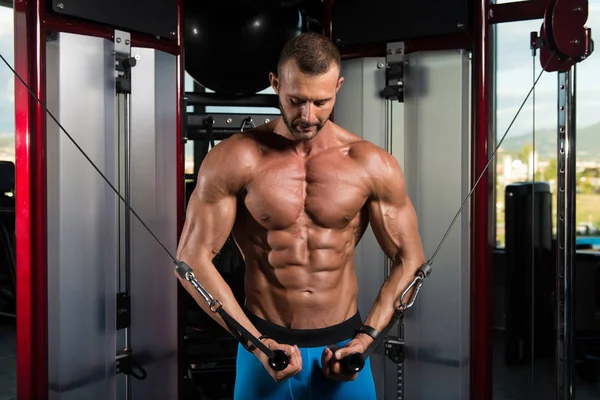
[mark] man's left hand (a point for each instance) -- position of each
(332, 368)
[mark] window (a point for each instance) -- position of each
(189, 145)
(528, 152)
(7, 87)
(8, 269)
(588, 143)
(525, 281)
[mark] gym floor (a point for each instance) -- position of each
(509, 383)
(8, 363)
(537, 383)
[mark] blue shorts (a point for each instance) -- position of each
(253, 382)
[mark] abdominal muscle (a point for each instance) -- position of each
(300, 278)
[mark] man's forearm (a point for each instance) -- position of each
(388, 299)
(214, 283)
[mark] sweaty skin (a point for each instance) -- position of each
(297, 194)
(297, 226)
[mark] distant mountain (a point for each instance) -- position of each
(587, 143)
(7, 141)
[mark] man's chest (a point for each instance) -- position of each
(325, 190)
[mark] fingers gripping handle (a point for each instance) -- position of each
(350, 364)
(355, 362)
(278, 359)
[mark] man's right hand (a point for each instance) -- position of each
(294, 367)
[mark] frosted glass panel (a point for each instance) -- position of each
(82, 247)
(437, 171)
(154, 197)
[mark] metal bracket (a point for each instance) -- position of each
(123, 311)
(394, 72)
(223, 125)
(123, 61)
(394, 350)
(536, 42)
(125, 364)
(235, 122)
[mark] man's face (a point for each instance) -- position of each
(305, 101)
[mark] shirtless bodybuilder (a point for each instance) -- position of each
(297, 194)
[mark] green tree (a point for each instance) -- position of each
(590, 173)
(540, 176)
(551, 170)
(525, 152)
(585, 187)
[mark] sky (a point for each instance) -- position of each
(6, 77)
(514, 79)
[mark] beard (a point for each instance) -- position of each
(296, 127)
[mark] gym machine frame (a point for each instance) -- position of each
(32, 24)
(553, 36)
(30, 33)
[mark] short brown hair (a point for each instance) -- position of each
(314, 53)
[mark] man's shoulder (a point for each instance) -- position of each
(356, 144)
(240, 146)
(368, 154)
(239, 141)
(380, 168)
(230, 162)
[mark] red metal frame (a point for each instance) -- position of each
(327, 18)
(58, 23)
(32, 314)
(31, 24)
(517, 11)
(482, 241)
(455, 41)
(448, 42)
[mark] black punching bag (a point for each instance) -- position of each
(529, 272)
(231, 46)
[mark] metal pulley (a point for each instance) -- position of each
(564, 40)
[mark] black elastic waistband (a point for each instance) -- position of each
(307, 337)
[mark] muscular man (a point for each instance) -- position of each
(297, 194)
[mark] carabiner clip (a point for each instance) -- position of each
(423, 272)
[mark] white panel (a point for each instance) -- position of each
(437, 170)
(361, 110)
(81, 207)
(154, 198)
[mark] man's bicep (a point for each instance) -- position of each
(392, 214)
(209, 221)
(211, 210)
(393, 223)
